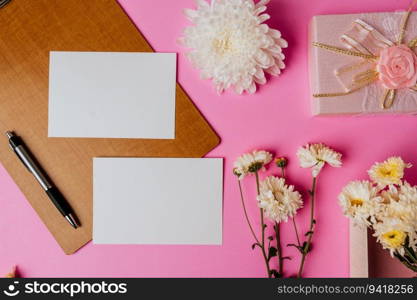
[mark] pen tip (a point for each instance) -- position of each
(9, 134)
(71, 220)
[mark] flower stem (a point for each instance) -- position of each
(411, 255)
(262, 230)
(311, 232)
(296, 231)
(261, 210)
(246, 214)
(279, 248)
(407, 264)
(282, 172)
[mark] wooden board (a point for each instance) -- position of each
(29, 30)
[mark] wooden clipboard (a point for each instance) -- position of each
(29, 30)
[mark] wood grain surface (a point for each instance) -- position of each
(29, 30)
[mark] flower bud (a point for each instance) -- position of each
(237, 172)
(281, 162)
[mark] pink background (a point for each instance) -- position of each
(276, 118)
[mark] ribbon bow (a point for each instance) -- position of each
(368, 44)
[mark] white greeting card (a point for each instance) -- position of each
(112, 95)
(157, 201)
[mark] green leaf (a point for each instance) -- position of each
(299, 248)
(254, 245)
(272, 252)
(276, 274)
(306, 248)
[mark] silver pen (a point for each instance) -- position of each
(19, 148)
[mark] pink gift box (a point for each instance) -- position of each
(324, 64)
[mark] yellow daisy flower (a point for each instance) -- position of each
(388, 172)
(394, 239)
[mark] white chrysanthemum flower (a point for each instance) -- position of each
(231, 45)
(278, 200)
(360, 202)
(388, 172)
(251, 163)
(401, 203)
(315, 156)
(392, 234)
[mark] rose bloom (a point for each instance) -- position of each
(397, 67)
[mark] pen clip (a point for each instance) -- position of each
(23, 162)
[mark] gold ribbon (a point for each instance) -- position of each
(365, 42)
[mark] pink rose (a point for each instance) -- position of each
(397, 67)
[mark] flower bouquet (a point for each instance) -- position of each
(278, 202)
(388, 206)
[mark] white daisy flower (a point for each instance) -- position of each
(401, 204)
(392, 234)
(360, 202)
(315, 156)
(278, 200)
(391, 171)
(251, 163)
(231, 45)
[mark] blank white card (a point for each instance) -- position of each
(158, 201)
(112, 95)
